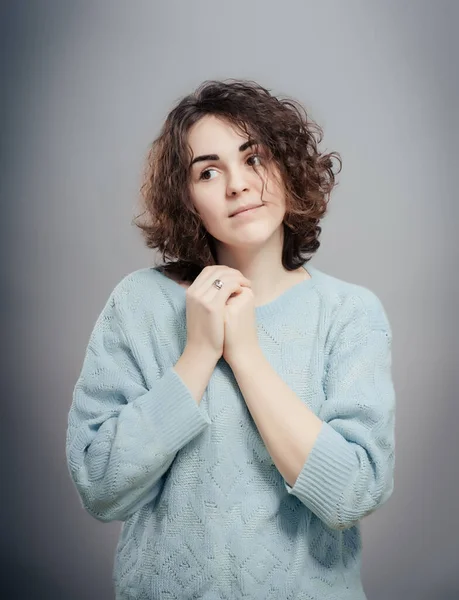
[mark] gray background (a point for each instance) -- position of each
(86, 86)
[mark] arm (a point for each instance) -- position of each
(121, 436)
(348, 452)
(195, 368)
(287, 426)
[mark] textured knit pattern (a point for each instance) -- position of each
(206, 512)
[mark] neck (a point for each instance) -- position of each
(262, 266)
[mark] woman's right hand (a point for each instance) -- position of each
(205, 307)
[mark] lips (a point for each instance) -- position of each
(245, 209)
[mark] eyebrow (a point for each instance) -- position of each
(205, 157)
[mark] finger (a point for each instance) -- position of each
(243, 280)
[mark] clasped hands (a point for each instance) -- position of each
(241, 340)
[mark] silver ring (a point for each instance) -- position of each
(218, 283)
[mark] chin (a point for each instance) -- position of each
(247, 238)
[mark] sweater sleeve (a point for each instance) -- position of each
(349, 471)
(121, 436)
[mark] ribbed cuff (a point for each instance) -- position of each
(175, 415)
(325, 474)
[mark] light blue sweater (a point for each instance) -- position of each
(206, 512)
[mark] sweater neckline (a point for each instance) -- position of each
(273, 306)
(281, 302)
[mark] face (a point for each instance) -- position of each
(223, 180)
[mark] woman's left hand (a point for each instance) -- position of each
(241, 338)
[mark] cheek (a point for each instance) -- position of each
(273, 186)
(274, 194)
(208, 206)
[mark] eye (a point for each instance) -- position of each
(204, 173)
(254, 160)
(256, 157)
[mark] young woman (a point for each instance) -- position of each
(235, 407)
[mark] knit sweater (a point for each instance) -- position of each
(206, 514)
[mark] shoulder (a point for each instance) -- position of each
(137, 286)
(345, 301)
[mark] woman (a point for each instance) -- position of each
(235, 407)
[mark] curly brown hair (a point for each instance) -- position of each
(291, 138)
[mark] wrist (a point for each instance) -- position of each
(246, 360)
(201, 353)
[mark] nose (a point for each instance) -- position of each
(236, 182)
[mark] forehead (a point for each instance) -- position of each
(214, 135)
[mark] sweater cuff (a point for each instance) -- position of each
(326, 474)
(174, 413)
